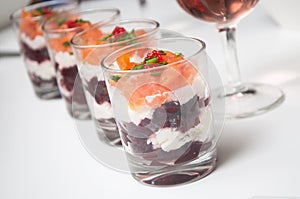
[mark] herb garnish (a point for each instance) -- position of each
(66, 43)
(116, 78)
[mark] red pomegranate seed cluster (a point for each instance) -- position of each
(155, 53)
(47, 11)
(118, 30)
(71, 24)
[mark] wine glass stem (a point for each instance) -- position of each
(228, 35)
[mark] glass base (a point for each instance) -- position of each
(181, 174)
(47, 94)
(107, 132)
(79, 111)
(251, 99)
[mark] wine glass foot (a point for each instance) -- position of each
(251, 99)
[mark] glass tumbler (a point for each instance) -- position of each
(28, 25)
(166, 103)
(58, 32)
(90, 47)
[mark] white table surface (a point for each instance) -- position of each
(41, 156)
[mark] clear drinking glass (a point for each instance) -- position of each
(58, 32)
(28, 25)
(90, 47)
(168, 114)
(242, 99)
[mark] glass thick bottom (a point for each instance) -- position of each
(47, 93)
(180, 174)
(108, 132)
(251, 99)
(79, 111)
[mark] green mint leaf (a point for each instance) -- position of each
(162, 63)
(151, 60)
(178, 54)
(61, 21)
(41, 11)
(78, 20)
(162, 52)
(116, 78)
(127, 36)
(138, 67)
(81, 21)
(106, 37)
(66, 43)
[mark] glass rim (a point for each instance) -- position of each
(127, 21)
(16, 15)
(116, 13)
(129, 48)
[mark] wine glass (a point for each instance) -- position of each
(242, 99)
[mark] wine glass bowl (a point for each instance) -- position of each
(216, 11)
(242, 99)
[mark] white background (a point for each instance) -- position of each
(41, 156)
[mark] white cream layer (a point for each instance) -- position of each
(65, 60)
(44, 70)
(103, 111)
(89, 71)
(37, 43)
(168, 139)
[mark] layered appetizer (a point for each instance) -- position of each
(163, 112)
(34, 51)
(91, 47)
(59, 32)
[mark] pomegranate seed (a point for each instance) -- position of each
(155, 53)
(71, 24)
(47, 11)
(118, 30)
